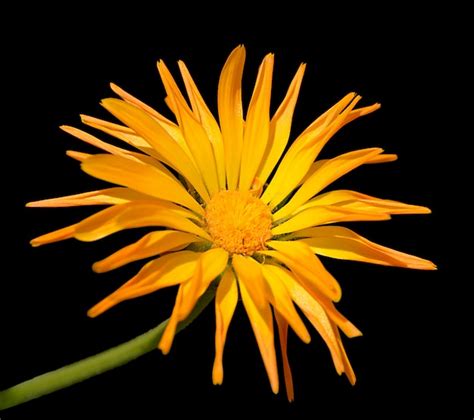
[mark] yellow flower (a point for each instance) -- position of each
(227, 203)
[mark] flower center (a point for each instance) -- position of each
(238, 222)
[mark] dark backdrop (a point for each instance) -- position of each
(58, 69)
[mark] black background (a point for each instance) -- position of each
(56, 68)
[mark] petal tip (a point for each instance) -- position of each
(275, 387)
(217, 375)
(93, 312)
(98, 268)
(164, 350)
(306, 339)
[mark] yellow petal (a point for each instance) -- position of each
(101, 197)
(226, 301)
(281, 301)
(345, 360)
(325, 175)
(152, 244)
(382, 158)
(299, 258)
(302, 153)
(133, 215)
(99, 124)
(123, 133)
(79, 156)
(231, 114)
(151, 130)
(257, 125)
(356, 113)
(250, 272)
(209, 266)
(260, 316)
(283, 334)
(322, 215)
(185, 292)
(208, 122)
(94, 141)
(280, 127)
(169, 270)
(349, 329)
(314, 312)
(168, 125)
(342, 243)
(168, 334)
(193, 132)
(57, 235)
(353, 200)
(140, 177)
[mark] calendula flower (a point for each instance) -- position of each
(227, 204)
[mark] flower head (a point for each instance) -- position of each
(225, 203)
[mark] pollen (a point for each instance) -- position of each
(238, 222)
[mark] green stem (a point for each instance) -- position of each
(97, 364)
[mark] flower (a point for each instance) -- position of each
(227, 204)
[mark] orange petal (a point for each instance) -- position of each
(94, 141)
(140, 177)
(166, 271)
(250, 272)
(209, 266)
(231, 114)
(281, 301)
(356, 113)
(382, 158)
(257, 125)
(153, 133)
(58, 235)
(280, 127)
(342, 243)
(314, 312)
(302, 153)
(260, 316)
(299, 258)
(133, 215)
(323, 215)
(226, 301)
(325, 175)
(209, 123)
(149, 245)
(151, 157)
(168, 125)
(79, 156)
(345, 360)
(283, 334)
(193, 132)
(168, 335)
(123, 133)
(101, 197)
(353, 200)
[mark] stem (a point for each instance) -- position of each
(97, 364)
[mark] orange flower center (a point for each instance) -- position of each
(238, 222)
